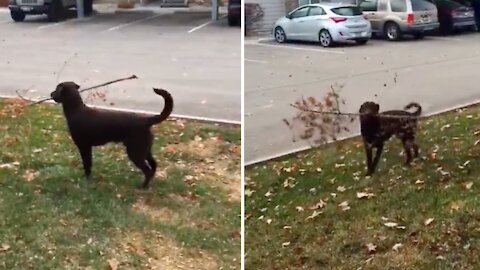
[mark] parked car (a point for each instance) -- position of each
(234, 12)
(54, 9)
(324, 23)
(454, 16)
(475, 4)
(394, 18)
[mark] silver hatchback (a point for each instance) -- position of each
(324, 23)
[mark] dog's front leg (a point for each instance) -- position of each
(368, 153)
(86, 153)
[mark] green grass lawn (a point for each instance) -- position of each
(51, 217)
(317, 210)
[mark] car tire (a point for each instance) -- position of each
(56, 11)
(419, 35)
(325, 38)
(17, 16)
(361, 41)
(280, 35)
(392, 31)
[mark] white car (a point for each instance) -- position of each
(324, 23)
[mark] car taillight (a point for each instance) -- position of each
(338, 19)
(410, 18)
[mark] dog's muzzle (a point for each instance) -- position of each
(54, 96)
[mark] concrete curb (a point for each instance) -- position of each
(180, 116)
(301, 149)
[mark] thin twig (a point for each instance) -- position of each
(356, 114)
(89, 88)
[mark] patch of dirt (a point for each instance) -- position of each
(160, 214)
(161, 252)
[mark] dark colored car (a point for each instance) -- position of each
(454, 16)
(234, 12)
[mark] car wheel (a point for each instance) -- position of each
(56, 11)
(392, 31)
(17, 16)
(419, 35)
(280, 36)
(325, 38)
(361, 41)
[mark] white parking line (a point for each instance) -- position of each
(256, 61)
(133, 22)
(64, 22)
(296, 48)
(203, 25)
(49, 25)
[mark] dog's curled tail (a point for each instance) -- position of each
(167, 109)
(414, 105)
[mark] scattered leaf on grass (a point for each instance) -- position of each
(371, 248)
(313, 215)
(428, 221)
(248, 192)
(4, 247)
(299, 208)
(468, 185)
(367, 195)
(9, 165)
(318, 205)
(419, 182)
(391, 224)
(344, 205)
(341, 189)
(397, 246)
(286, 244)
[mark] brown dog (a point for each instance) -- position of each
(376, 130)
(92, 127)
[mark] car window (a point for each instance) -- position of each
(383, 5)
(368, 5)
(420, 5)
(398, 5)
(302, 12)
(449, 4)
(315, 11)
(347, 11)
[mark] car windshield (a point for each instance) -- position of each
(419, 5)
(347, 11)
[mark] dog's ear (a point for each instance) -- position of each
(76, 86)
(377, 106)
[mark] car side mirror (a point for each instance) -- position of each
(289, 16)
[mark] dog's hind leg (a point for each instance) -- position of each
(151, 161)
(368, 153)
(86, 154)
(408, 146)
(138, 155)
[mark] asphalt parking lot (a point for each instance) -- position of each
(438, 72)
(180, 50)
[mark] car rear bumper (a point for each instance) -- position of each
(346, 35)
(459, 23)
(418, 28)
(29, 9)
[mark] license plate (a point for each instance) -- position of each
(26, 8)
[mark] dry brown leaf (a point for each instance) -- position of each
(367, 195)
(318, 205)
(5, 247)
(341, 189)
(428, 221)
(30, 175)
(113, 264)
(391, 224)
(313, 215)
(454, 206)
(397, 246)
(286, 244)
(344, 205)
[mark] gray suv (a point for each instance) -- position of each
(394, 18)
